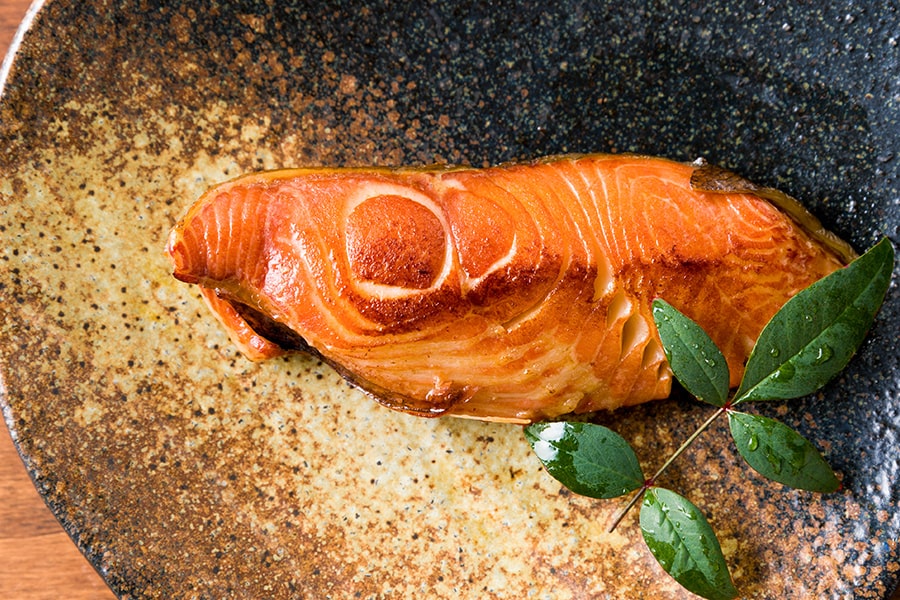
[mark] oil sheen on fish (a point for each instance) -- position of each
(513, 293)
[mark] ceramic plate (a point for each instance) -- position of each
(184, 471)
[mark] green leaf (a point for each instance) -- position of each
(778, 452)
(816, 332)
(589, 459)
(695, 359)
(684, 544)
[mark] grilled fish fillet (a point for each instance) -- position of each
(514, 293)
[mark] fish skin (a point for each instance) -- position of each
(514, 293)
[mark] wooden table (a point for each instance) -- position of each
(37, 558)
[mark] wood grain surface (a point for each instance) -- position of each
(37, 558)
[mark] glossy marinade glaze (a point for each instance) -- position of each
(513, 293)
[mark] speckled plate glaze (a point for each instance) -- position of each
(184, 471)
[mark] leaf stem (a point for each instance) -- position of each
(686, 444)
(621, 514)
(652, 480)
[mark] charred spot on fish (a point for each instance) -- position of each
(509, 291)
(408, 312)
(266, 327)
(395, 241)
(712, 178)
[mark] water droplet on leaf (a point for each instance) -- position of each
(752, 443)
(774, 352)
(823, 354)
(785, 373)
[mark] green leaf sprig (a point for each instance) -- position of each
(809, 341)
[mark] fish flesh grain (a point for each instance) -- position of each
(513, 293)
